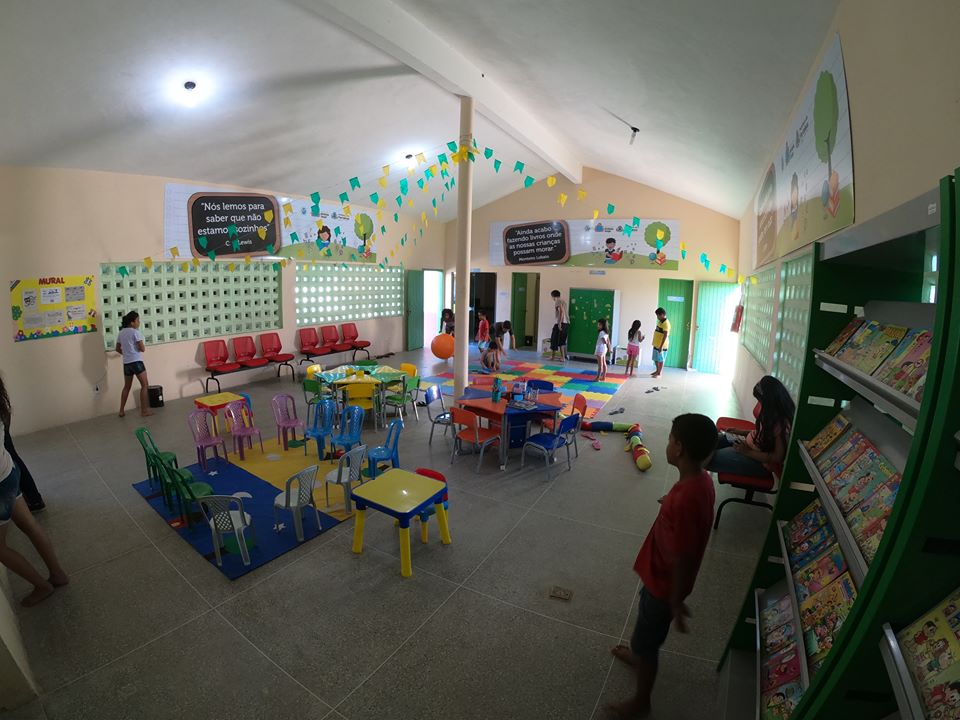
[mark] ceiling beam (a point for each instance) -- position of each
(393, 30)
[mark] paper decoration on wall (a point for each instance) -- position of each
(196, 262)
(386, 169)
(488, 153)
(344, 198)
(421, 158)
(175, 251)
(420, 183)
(551, 181)
(148, 262)
(123, 272)
(354, 183)
(528, 181)
(382, 182)
(518, 167)
(496, 166)
(404, 186)
(315, 198)
(246, 260)
(596, 214)
(287, 208)
(268, 215)
(374, 198)
(581, 194)
(184, 267)
(562, 199)
(286, 221)
(611, 208)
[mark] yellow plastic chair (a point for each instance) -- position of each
(410, 369)
(365, 395)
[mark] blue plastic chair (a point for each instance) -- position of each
(249, 400)
(548, 443)
(350, 428)
(444, 418)
(322, 427)
(390, 450)
(540, 385)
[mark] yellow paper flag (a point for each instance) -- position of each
(287, 208)
(739, 279)
(386, 169)
(283, 263)
(246, 260)
(753, 280)
(581, 194)
(148, 262)
(409, 171)
(410, 202)
(391, 253)
(268, 215)
(300, 253)
(382, 181)
(421, 158)
(433, 169)
(196, 262)
(434, 212)
(185, 267)
(423, 216)
(231, 267)
(319, 223)
(551, 181)
(596, 214)
(286, 221)
(562, 199)
(346, 210)
(381, 203)
(262, 232)
(174, 251)
(379, 215)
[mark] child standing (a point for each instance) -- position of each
(483, 330)
(130, 344)
(670, 557)
(661, 341)
(634, 338)
(603, 347)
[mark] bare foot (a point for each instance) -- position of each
(624, 655)
(39, 594)
(121, 414)
(626, 710)
(59, 579)
(654, 375)
(146, 414)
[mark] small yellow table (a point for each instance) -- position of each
(214, 403)
(402, 495)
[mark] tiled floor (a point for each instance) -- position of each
(148, 629)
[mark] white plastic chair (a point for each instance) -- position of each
(223, 520)
(347, 472)
(295, 500)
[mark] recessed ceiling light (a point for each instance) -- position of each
(189, 89)
(189, 85)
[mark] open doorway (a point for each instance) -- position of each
(483, 296)
(432, 303)
(525, 291)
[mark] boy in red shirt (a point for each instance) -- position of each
(671, 555)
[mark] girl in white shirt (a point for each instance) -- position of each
(603, 347)
(130, 344)
(634, 338)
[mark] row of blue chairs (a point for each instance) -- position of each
(348, 434)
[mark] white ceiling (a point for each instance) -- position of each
(299, 105)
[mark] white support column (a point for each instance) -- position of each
(464, 218)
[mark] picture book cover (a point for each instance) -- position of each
(810, 547)
(916, 392)
(942, 698)
(871, 346)
(868, 540)
(857, 340)
(779, 638)
(950, 609)
(811, 518)
(932, 652)
(877, 506)
(908, 362)
(827, 436)
(845, 334)
(819, 572)
(822, 615)
(840, 448)
(780, 668)
(776, 614)
(861, 479)
(853, 452)
(779, 703)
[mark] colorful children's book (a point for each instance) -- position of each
(827, 436)
(822, 615)
(916, 392)
(869, 538)
(932, 652)
(877, 506)
(908, 363)
(810, 547)
(819, 572)
(811, 518)
(779, 638)
(845, 334)
(779, 703)
(776, 614)
(780, 668)
(838, 449)
(859, 447)
(871, 345)
(861, 479)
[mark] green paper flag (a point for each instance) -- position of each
(404, 186)
(235, 244)
(270, 249)
(518, 166)
(683, 254)
(452, 146)
(611, 208)
(421, 233)
(443, 197)
(420, 183)
(353, 256)
(442, 158)
(202, 242)
(231, 230)
(453, 182)
(315, 210)
(434, 202)
(403, 240)
(636, 221)
(475, 143)
(380, 265)
(396, 217)
(315, 198)
(294, 238)
(276, 267)
(354, 183)
(496, 165)
(122, 271)
(446, 185)
(343, 265)
(212, 255)
(628, 230)
(383, 229)
(444, 173)
(528, 181)
(329, 252)
(659, 245)
(488, 153)
(723, 269)
(428, 174)
(344, 198)
(399, 199)
(336, 230)
(374, 198)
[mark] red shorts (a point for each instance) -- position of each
(633, 352)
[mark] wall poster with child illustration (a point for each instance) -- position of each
(633, 244)
(53, 306)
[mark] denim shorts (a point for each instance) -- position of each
(134, 368)
(653, 624)
(9, 492)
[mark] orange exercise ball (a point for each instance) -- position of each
(442, 346)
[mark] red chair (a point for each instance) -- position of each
(271, 347)
(766, 484)
(310, 344)
(350, 335)
(218, 362)
(245, 352)
(331, 340)
(430, 510)
(481, 438)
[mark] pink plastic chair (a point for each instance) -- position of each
(285, 413)
(240, 420)
(204, 437)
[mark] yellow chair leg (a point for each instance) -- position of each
(406, 566)
(444, 525)
(424, 531)
(358, 530)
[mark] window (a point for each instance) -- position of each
(796, 283)
(758, 316)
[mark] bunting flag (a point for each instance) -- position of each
(611, 208)
(374, 198)
(386, 170)
(562, 199)
(628, 231)
(551, 181)
(442, 159)
(354, 183)
(581, 194)
(496, 166)
(488, 153)
(344, 198)
(382, 181)
(452, 146)
(421, 158)
(596, 214)
(315, 198)
(174, 251)
(518, 167)
(404, 186)
(528, 181)
(148, 262)
(399, 200)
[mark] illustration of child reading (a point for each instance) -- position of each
(613, 254)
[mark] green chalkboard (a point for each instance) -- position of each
(586, 307)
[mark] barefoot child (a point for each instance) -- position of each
(130, 345)
(670, 557)
(601, 350)
(661, 341)
(634, 338)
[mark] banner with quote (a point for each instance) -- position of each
(807, 191)
(53, 306)
(635, 244)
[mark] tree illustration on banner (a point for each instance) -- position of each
(657, 235)
(363, 227)
(826, 113)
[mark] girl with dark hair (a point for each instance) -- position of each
(447, 324)
(603, 347)
(634, 338)
(761, 451)
(13, 507)
(130, 344)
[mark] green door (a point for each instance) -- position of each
(586, 307)
(676, 297)
(414, 309)
(518, 305)
(716, 304)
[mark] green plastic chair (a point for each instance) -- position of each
(188, 490)
(313, 392)
(408, 395)
(152, 455)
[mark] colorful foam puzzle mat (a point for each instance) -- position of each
(566, 381)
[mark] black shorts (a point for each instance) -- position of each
(134, 368)
(653, 624)
(558, 338)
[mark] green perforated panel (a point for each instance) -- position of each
(758, 316)
(327, 292)
(796, 283)
(203, 301)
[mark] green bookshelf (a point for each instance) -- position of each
(888, 269)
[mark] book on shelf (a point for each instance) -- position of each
(908, 363)
(871, 345)
(916, 392)
(878, 506)
(779, 637)
(823, 614)
(810, 519)
(931, 648)
(859, 446)
(779, 703)
(861, 479)
(827, 436)
(870, 536)
(840, 448)
(777, 612)
(819, 572)
(840, 340)
(810, 547)
(780, 668)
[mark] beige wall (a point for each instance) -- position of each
(66, 222)
(701, 229)
(17, 685)
(900, 62)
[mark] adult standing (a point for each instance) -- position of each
(561, 326)
(661, 341)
